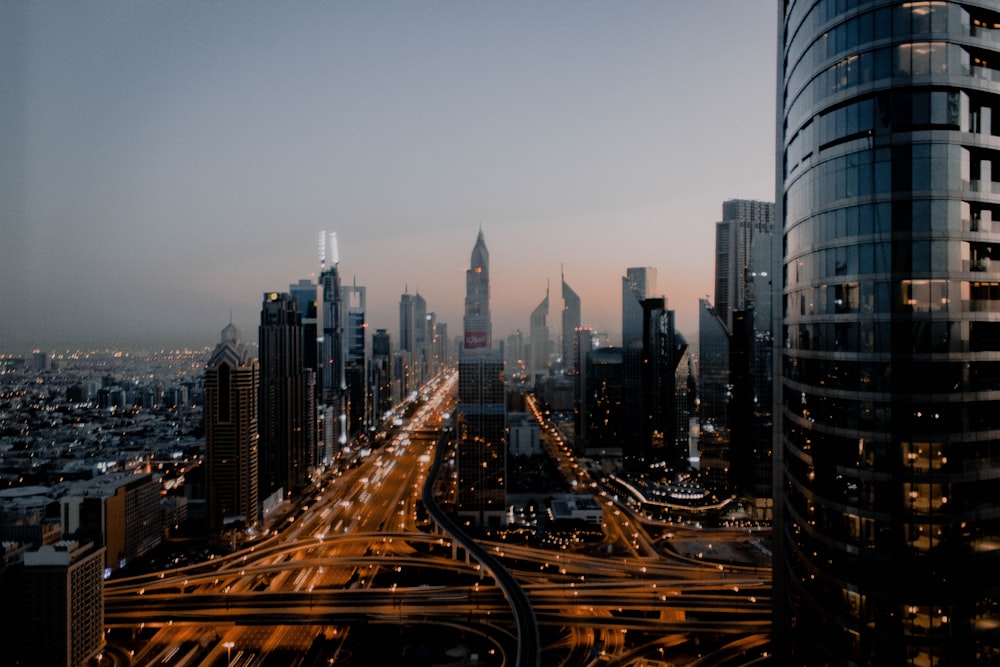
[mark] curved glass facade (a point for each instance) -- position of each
(888, 462)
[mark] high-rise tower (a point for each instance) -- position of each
(743, 221)
(482, 411)
(306, 292)
(538, 337)
(283, 421)
(887, 529)
(354, 298)
(231, 437)
(638, 283)
(570, 323)
(333, 412)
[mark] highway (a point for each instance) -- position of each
(369, 547)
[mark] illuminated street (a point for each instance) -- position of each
(361, 553)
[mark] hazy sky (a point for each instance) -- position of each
(165, 163)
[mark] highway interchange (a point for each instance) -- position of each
(364, 556)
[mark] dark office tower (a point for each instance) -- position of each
(601, 429)
(380, 376)
(648, 420)
(662, 350)
(570, 323)
(355, 331)
(306, 292)
(638, 284)
(538, 342)
(888, 412)
(742, 221)
(482, 412)
(333, 410)
(406, 325)
(713, 392)
(231, 437)
(284, 454)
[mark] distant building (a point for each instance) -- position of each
(601, 420)
(231, 436)
(482, 410)
(538, 336)
(333, 411)
(714, 393)
(570, 323)
(41, 361)
(742, 221)
(58, 615)
(514, 354)
(380, 376)
(576, 508)
(638, 283)
(306, 292)
(354, 298)
(420, 338)
(524, 434)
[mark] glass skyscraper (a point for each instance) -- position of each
(887, 463)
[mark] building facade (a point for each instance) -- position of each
(887, 494)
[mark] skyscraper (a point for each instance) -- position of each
(306, 292)
(887, 495)
(405, 375)
(482, 410)
(420, 337)
(538, 342)
(638, 283)
(283, 423)
(354, 299)
(570, 323)
(380, 376)
(743, 220)
(231, 437)
(333, 411)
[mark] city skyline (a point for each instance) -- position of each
(147, 138)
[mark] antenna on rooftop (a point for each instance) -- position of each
(322, 250)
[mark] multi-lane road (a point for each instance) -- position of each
(361, 551)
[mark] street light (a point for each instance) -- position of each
(229, 650)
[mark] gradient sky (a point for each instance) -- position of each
(165, 163)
